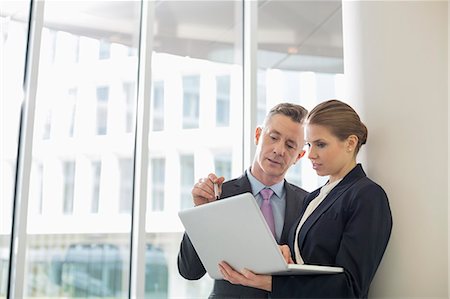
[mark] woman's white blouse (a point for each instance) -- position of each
(309, 210)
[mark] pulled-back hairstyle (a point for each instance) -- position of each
(295, 112)
(340, 119)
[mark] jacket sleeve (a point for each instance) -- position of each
(189, 264)
(363, 242)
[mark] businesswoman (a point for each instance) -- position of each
(347, 222)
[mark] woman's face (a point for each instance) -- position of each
(329, 155)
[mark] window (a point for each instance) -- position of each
(191, 101)
(104, 50)
(47, 125)
(71, 104)
(223, 101)
(129, 89)
(102, 109)
(84, 143)
(158, 106)
(126, 185)
(69, 186)
(158, 172)
(197, 93)
(79, 245)
(93, 270)
(96, 179)
(39, 187)
(187, 180)
(222, 166)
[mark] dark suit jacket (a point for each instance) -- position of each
(350, 229)
(190, 266)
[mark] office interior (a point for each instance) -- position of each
(112, 110)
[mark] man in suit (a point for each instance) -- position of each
(280, 143)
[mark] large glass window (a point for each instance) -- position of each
(82, 175)
(13, 43)
(78, 236)
(196, 114)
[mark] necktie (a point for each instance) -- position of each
(266, 208)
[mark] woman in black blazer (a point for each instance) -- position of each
(345, 223)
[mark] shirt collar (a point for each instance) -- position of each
(257, 186)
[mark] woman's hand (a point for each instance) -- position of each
(246, 277)
(286, 252)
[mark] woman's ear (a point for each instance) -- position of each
(352, 143)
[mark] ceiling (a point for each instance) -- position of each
(292, 35)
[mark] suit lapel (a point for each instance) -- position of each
(291, 212)
(351, 178)
(238, 186)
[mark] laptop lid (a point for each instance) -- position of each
(234, 230)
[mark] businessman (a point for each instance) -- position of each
(280, 142)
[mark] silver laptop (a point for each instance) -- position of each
(234, 230)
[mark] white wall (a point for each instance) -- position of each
(396, 60)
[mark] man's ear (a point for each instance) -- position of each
(258, 132)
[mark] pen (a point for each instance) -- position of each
(216, 191)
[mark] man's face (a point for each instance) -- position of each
(279, 145)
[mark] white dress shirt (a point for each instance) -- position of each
(309, 210)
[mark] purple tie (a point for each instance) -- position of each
(266, 208)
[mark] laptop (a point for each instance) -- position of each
(234, 230)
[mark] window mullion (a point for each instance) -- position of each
(250, 78)
(16, 284)
(138, 248)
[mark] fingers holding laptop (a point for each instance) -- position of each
(207, 189)
(246, 277)
(286, 252)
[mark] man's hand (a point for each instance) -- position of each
(203, 191)
(246, 277)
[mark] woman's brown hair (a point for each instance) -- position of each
(340, 119)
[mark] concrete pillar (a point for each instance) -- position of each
(396, 70)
